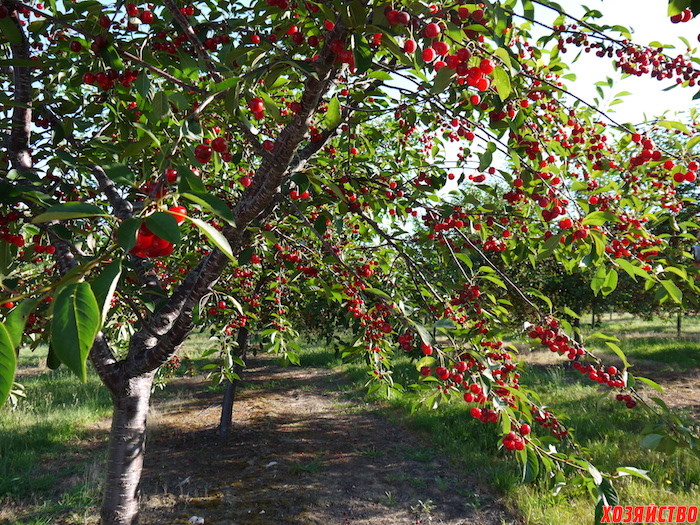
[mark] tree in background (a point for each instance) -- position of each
(157, 155)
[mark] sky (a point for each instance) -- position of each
(649, 23)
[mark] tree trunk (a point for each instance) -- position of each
(678, 324)
(225, 422)
(126, 452)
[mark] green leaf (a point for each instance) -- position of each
(164, 225)
(599, 279)
(8, 364)
(52, 362)
(17, 319)
(110, 55)
(9, 29)
(651, 441)
(633, 471)
(189, 182)
(618, 351)
(610, 282)
(380, 293)
(126, 233)
(225, 84)
(425, 361)
(143, 85)
(160, 106)
(673, 290)
(75, 323)
(531, 466)
(674, 125)
(104, 285)
(604, 337)
(213, 204)
(607, 497)
(119, 173)
(333, 116)
(503, 54)
(598, 218)
(568, 311)
(501, 81)
(422, 332)
(632, 270)
(69, 210)
(650, 383)
(443, 79)
(486, 157)
(363, 55)
(594, 472)
(215, 236)
(271, 107)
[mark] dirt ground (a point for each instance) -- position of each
(300, 454)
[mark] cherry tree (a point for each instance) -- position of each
(177, 165)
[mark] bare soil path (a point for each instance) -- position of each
(301, 453)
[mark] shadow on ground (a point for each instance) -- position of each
(299, 454)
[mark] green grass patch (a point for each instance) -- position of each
(44, 427)
(651, 340)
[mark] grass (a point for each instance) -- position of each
(607, 431)
(651, 340)
(50, 423)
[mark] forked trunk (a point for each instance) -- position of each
(126, 452)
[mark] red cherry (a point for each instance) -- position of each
(254, 39)
(178, 212)
(442, 372)
(256, 105)
(171, 175)
(202, 153)
(246, 181)
(525, 429)
(403, 18)
(432, 30)
(8, 304)
(221, 305)
(255, 259)
(428, 54)
(132, 9)
(441, 48)
(4, 12)
(410, 46)
(88, 78)
(475, 413)
(104, 21)
(486, 66)
(75, 46)
(219, 144)
(147, 17)
(426, 349)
